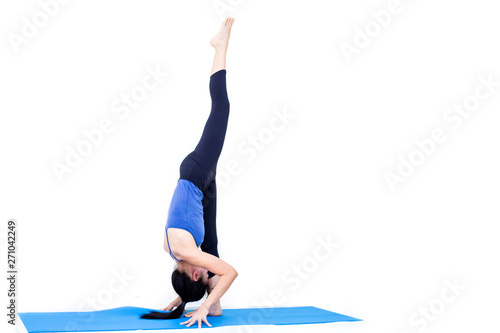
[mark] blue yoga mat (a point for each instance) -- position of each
(128, 318)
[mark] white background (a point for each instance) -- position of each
(320, 177)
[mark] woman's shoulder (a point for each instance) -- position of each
(177, 241)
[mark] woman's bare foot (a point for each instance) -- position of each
(215, 309)
(221, 40)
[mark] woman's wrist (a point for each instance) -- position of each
(177, 301)
(206, 305)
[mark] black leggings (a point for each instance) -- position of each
(199, 166)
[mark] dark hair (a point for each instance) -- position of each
(187, 289)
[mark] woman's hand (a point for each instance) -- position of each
(175, 303)
(199, 316)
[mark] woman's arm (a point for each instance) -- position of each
(226, 272)
(175, 303)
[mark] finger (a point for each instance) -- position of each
(199, 323)
(206, 322)
(187, 321)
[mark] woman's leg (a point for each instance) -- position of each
(210, 145)
(200, 165)
(209, 244)
(212, 139)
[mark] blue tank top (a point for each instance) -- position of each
(186, 211)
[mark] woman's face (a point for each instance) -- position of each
(195, 272)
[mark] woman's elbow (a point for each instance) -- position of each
(230, 273)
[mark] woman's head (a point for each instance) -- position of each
(194, 272)
(187, 288)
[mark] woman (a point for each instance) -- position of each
(191, 216)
